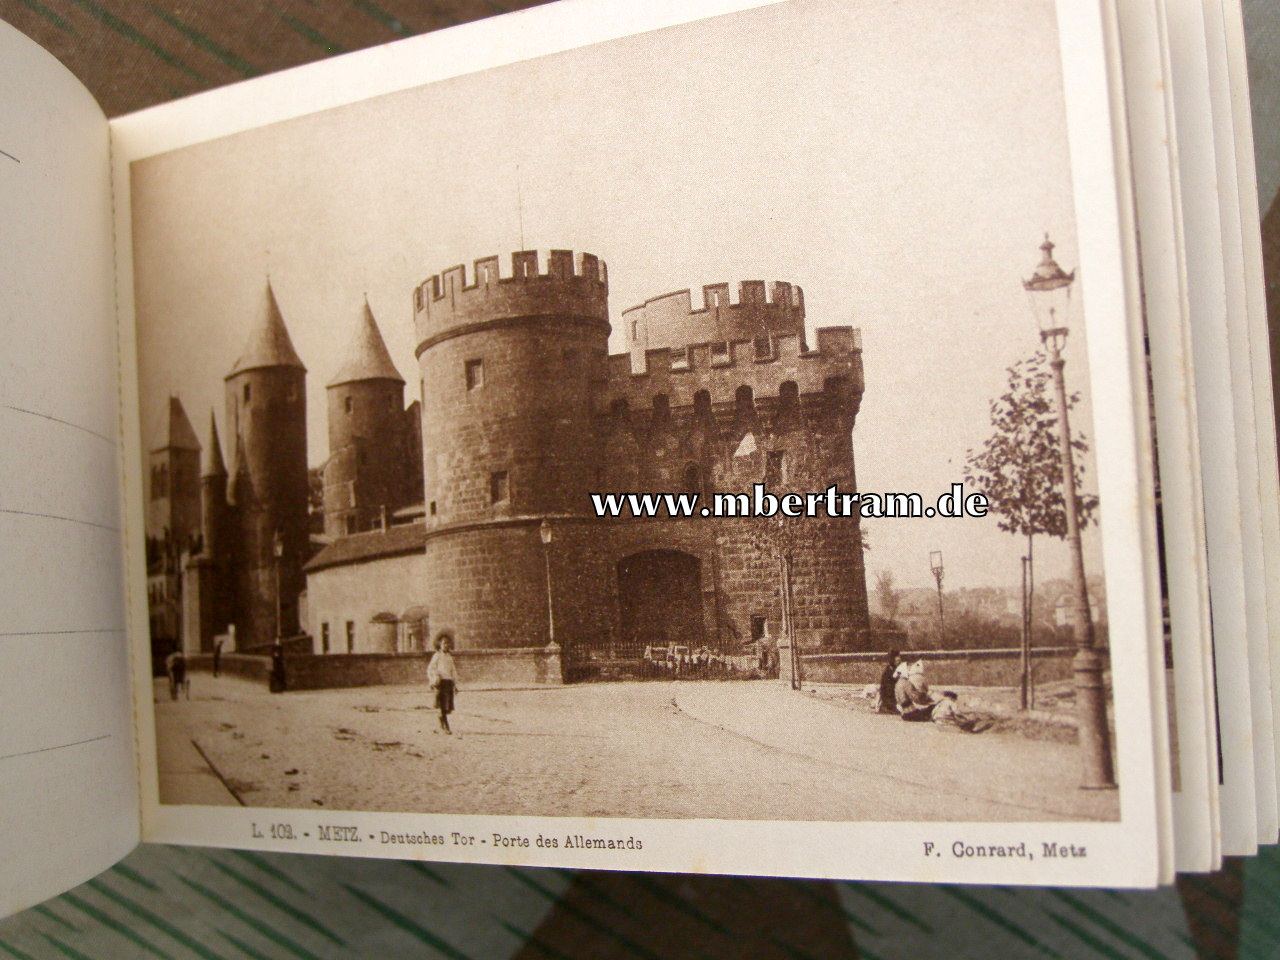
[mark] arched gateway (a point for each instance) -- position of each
(660, 599)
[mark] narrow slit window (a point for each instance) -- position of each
(775, 470)
(499, 487)
(693, 479)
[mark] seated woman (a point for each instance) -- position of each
(911, 691)
(914, 702)
(886, 699)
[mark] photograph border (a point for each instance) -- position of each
(1124, 853)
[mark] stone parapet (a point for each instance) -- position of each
(446, 302)
(981, 668)
(477, 669)
(832, 368)
(759, 310)
(241, 665)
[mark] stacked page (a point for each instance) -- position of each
(789, 438)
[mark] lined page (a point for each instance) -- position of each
(68, 783)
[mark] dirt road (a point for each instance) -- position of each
(746, 750)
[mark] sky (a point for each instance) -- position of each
(901, 160)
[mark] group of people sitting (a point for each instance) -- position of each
(904, 691)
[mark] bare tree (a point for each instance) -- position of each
(1019, 468)
(889, 596)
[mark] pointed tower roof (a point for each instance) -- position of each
(213, 462)
(367, 356)
(269, 344)
(242, 493)
(178, 433)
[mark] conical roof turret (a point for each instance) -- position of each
(367, 357)
(242, 492)
(178, 432)
(214, 466)
(269, 344)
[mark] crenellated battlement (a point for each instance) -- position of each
(833, 367)
(760, 309)
(577, 289)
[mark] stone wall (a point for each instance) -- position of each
(477, 669)
(757, 310)
(981, 668)
(487, 586)
(355, 593)
(799, 444)
(233, 664)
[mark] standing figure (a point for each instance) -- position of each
(217, 656)
(175, 665)
(442, 675)
(276, 680)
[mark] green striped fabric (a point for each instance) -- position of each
(172, 902)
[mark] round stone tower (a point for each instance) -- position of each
(266, 417)
(364, 477)
(507, 366)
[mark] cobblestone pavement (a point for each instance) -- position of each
(731, 750)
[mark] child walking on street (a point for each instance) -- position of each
(442, 674)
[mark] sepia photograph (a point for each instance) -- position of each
(698, 425)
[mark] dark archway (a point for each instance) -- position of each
(659, 600)
(416, 632)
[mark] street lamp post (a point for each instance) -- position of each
(277, 553)
(276, 679)
(544, 532)
(776, 539)
(1028, 581)
(935, 564)
(788, 618)
(1050, 292)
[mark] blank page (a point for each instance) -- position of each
(68, 782)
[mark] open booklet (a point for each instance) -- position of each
(316, 540)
